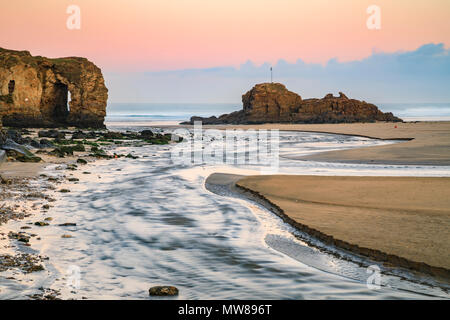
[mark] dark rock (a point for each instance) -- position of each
(55, 134)
(81, 161)
(113, 135)
(163, 291)
(10, 145)
(44, 143)
(35, 144)
(28, 159)
(15, 136)
(145, 134)
(67, 224)
(41, 224)
(79, 135)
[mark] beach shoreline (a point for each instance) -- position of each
(420, 143)
(292, 211)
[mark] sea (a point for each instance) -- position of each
(172, 113)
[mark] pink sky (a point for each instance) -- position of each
(139, 35)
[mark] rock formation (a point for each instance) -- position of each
(273, 103)
(34, 91)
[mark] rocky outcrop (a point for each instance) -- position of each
(273, 103)
(43, 92)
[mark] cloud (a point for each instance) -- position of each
(422, 75)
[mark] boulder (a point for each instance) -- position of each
(10, 145)
(55, 134)
(163, 291)
(79, 135)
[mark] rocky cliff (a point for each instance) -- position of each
(43, 92)
(273, 103)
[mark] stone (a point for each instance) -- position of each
(10, 145)
(163, 291)
(55, 134)
(113, 135)
(34, 91)
(273, 103)
(67, 224)
(41, 224)
(79, 135)
(144, 134)
(44, 143)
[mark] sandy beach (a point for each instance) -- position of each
(406, 217)
(426, 143)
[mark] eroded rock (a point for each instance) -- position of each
(273, 103)
(34, 91)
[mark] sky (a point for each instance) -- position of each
(214, 50)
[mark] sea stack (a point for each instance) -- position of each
(34, 91)
(273, 103)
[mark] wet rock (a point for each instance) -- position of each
(113, 135)
(64, 190)
(67, 224)
(41, 224)
(67, 150)
(72, 167)
(28, 159)
(130, 156)
(81, 161)
(5, 181)
(79, 135)
(55, 134)
(163, 291)
(10, 145)
(46, 207)
(46, 143)
(48, 219)
(35, 144)
(23, 239)
(15, 135)
(145, 134)
(66, 236)
(74, 179)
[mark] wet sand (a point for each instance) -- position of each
(426, 143)
(401, 220)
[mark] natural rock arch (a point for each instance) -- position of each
(34, 91)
